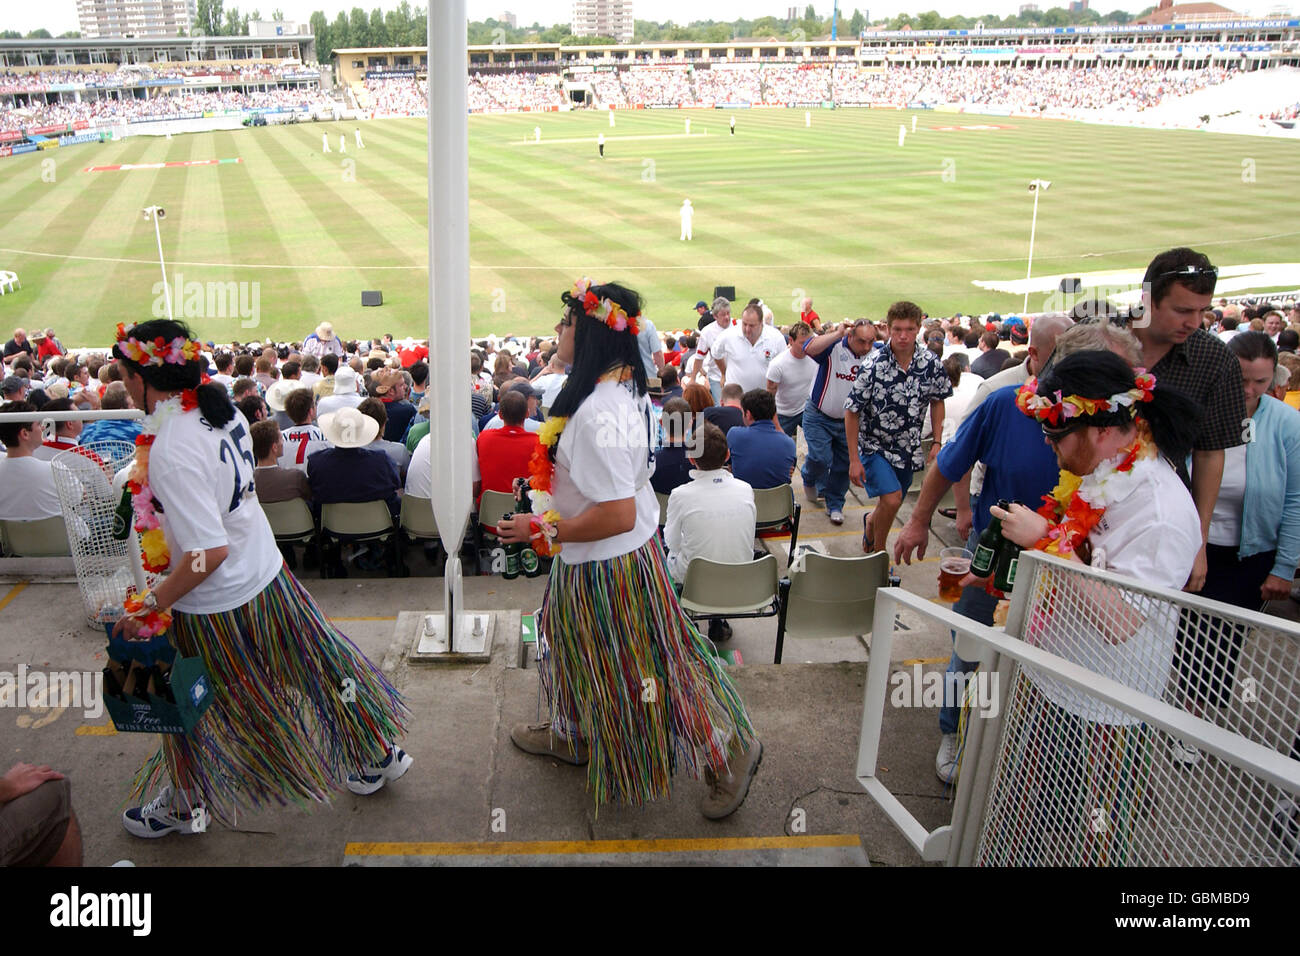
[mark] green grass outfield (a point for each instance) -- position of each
(838, 210)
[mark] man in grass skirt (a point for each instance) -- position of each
(298, 710)
(633, 688)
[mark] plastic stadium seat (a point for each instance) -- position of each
(492, 507)
(730, 590)
(290, 520)
(777, 513)
(828, 597)
(417, 518)
(362, 521)
(45, 538)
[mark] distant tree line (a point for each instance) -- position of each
(407, 25)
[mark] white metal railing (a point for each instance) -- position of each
(1092, 780)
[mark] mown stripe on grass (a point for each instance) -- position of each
(246, 214)
(337, 215)
(167, 188)
(96, 212)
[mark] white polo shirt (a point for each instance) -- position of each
(708, 340)
(793, 378)
(747, 364)
(711, 516)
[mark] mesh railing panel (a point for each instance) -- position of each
(1081, 782)
(83, 479)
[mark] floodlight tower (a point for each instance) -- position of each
(157, 214)
(1036, 186)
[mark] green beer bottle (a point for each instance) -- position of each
(990, 543)
(1004, 577)
(123, 517)
(512, 555)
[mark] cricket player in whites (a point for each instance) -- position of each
(324, 142)
(687, 213)
(360, 145)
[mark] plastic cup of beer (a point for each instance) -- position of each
(954, 564)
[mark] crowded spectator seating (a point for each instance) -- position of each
(30, 100)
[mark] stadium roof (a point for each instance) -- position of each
(35, 43)
(1188, 12)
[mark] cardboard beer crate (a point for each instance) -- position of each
(150, 714)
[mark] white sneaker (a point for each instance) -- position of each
(371, 779)
(836, 516)
(157, 818)
(945, 762)
(1184, 754)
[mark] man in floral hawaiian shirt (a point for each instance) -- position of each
(885, 411)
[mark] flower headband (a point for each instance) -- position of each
(608, 311)
(156, 351)
(1058, 410)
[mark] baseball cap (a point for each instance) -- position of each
(701, 304)
(13, 383)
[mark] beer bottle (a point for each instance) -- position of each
(123, 517)
(1004, 576)
(986, 551)
(512, 555)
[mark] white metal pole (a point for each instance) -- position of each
(157, 231)
(449, 385)
(1033, 227)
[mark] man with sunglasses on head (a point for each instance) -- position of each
(1177, 288)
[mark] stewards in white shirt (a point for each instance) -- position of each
(744, 354)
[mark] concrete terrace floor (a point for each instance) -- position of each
(471, 796)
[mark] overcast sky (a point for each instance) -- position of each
(59, 16)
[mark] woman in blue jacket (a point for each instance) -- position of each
(1254, 541)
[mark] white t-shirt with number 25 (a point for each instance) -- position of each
(203, 477)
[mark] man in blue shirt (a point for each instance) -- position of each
(1019, 466)
(112, 429)
(762, 455)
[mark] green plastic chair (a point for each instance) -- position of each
(720, 589)
(43, 538)
(830, 597)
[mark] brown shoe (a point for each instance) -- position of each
(541, 739)
(727, 793)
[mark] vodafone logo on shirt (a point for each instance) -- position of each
(851, 375)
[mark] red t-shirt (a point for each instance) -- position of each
(811, 317)
(503, 455)
(410, 356)
(47, 349)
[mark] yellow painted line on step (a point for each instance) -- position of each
(924, 660)
(586, 847)
(96, 730)
(14, 591)
(394, 618)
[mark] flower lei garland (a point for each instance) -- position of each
(153, 544)
(541, 475)
(152, 623)
(1058, 410)
(608, 311)
(1076, 504)
(157, 351)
